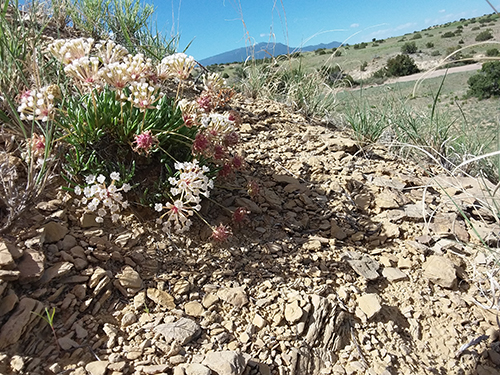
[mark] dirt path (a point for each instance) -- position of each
(435, 73)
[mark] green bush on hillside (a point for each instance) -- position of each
(417, 36)
(492, 52)
(409, 48)
(401, 65)
(484, 35)
(486, 83)
(429, 45)
(448, 34)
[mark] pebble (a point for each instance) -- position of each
(97, 367)
(393, 274)
(369, 304)
(234, 296)
(194, 308)
(53, 232)
(183, 330)
(162, 298)
(226, 362)
(440, 271)
(293, 312)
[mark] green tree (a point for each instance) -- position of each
(401, 65)
(486, 83)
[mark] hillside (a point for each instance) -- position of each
(261, 51)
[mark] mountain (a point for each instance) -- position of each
(261, 51)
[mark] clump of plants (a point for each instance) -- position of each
(486, 83)
(129, 133)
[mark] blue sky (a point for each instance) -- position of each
(216, 26)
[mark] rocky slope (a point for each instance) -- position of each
(352, 261)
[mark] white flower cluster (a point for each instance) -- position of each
(68, 50)
(37, 105)
(144, 95)
(178, 65)
(101, 198)
(213, 82)
(217, 123)
(186, 189)
(85, 70)
(109, 52)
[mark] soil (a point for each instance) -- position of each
(352, 261)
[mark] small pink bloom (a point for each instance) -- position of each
(226, 170)
(253, 189)
(205, 102)
(144, 142)
(237, 162)
(200, 143)
(240, 214)
(221, 233)
(231, 139)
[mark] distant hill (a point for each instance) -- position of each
(261, 51)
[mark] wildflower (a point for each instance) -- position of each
(226, 170)
(190, 114)
(221, 233)
(101, 198)
(240, 214)
(144, 142)
(85, 70)
(138, 67)
(237, 162)
(109, 52)
(37, 145)
(143, 95)
(205, 101)
(69, 50)
(213, 82)
(191, 182)
(37, 105)
(200, 144)
(115, 74)
(231, 138)
(177, 217)
(178, 65)
(253, 188)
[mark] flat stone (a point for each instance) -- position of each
(31, 266)
(183, 330)
(6, 259)
(162, 298)
(362, 264)
(88, 220)
(369, 304)
(9, 275)
(196, 369)
(249, 205)
(12, 330)
(130, 278)
(128, 319)
(57, 270)
(53, 232)
(209, 299)
(7, 303)
(234, 296)
(154, 369)
(68, 242)
(336, 231)
(226, 362)
(394, 274)
(312, 245)
(66, 342)
(97, 367)
(440, 271)
(194, 308)
(293, 312)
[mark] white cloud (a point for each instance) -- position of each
(354, 25)
(442, 11)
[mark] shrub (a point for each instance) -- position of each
(417, 36)
(492, 52)
(360, 45)
(475, 28)
(484, 35)
(429, 45)
(409, 48)
(401, 65)
(448, 34)
(435, 53)
(486, 83)
(363, 66)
